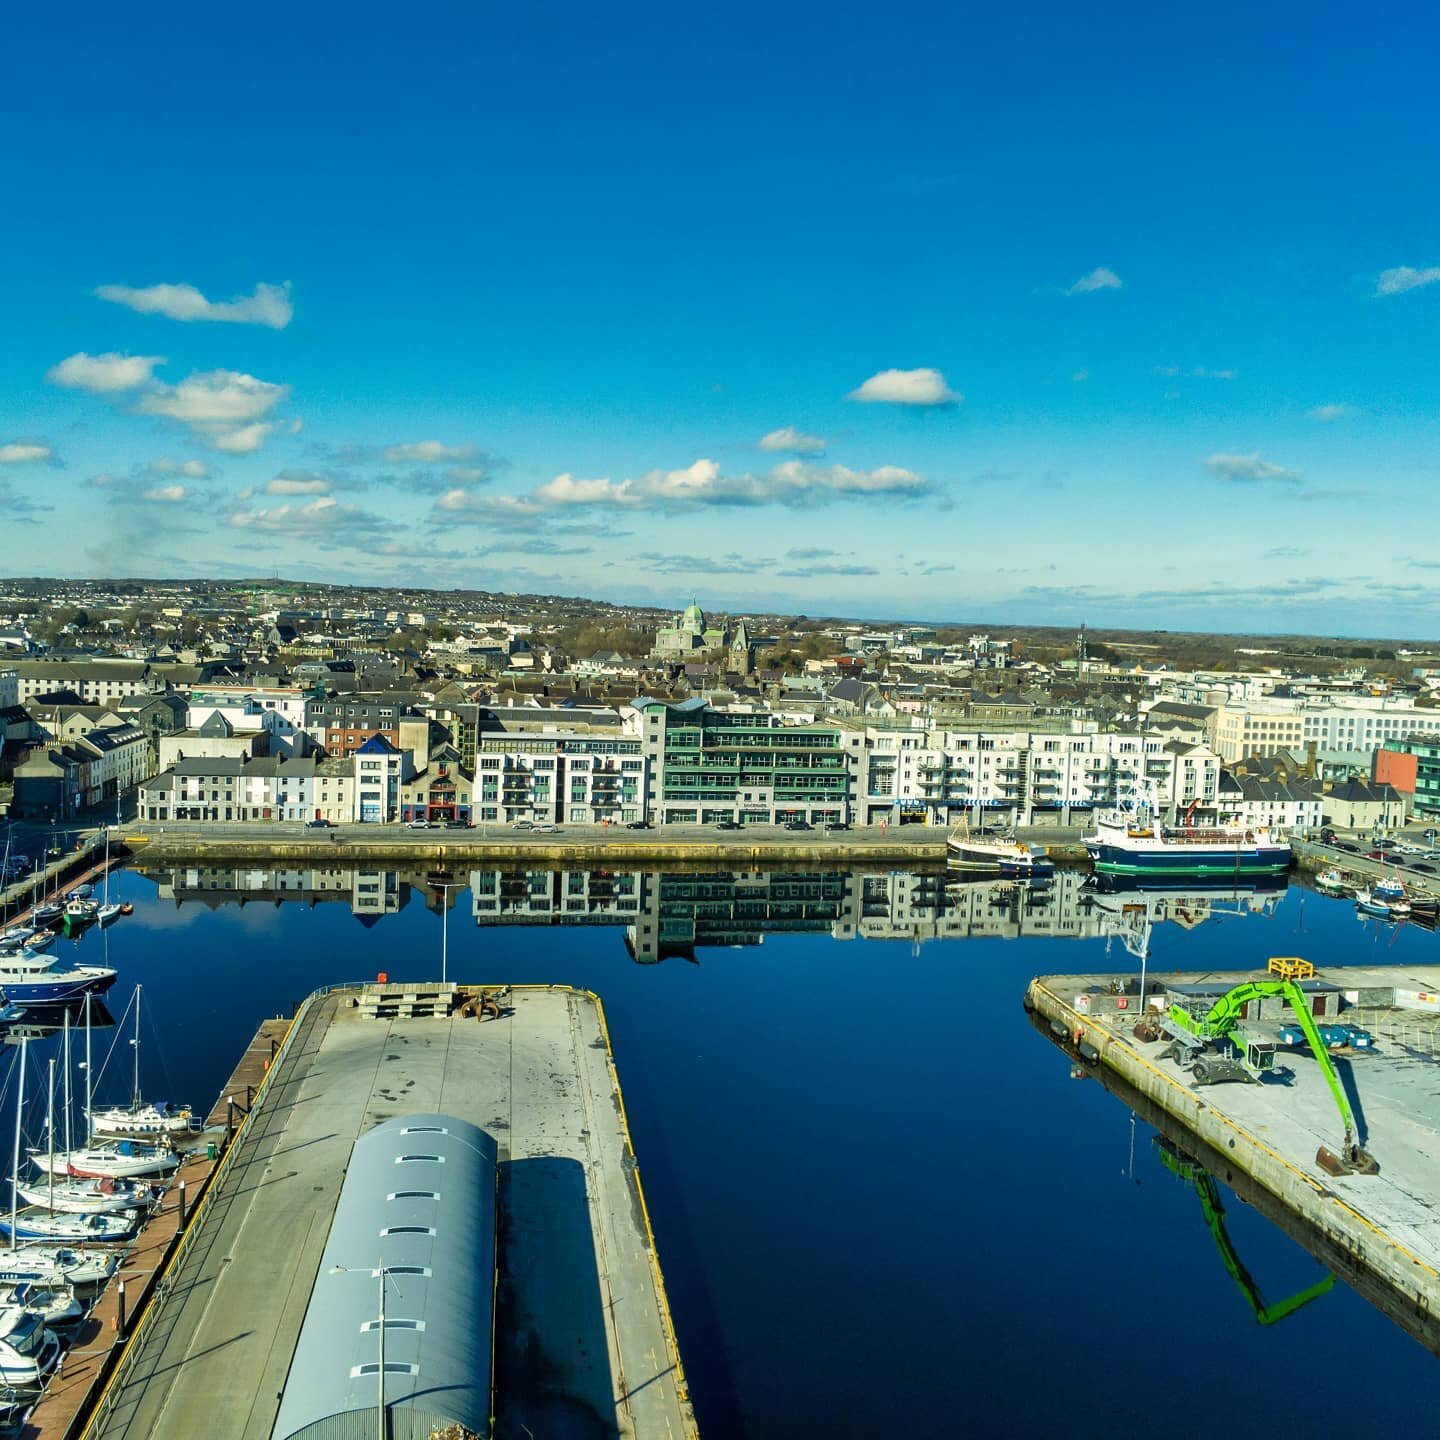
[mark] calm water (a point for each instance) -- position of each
(883, 1205)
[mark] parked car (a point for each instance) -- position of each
(317, 824)
(523, 825)
(838, 825)
(798, 825)
(637, 825)
(1421, 865)
(545, 827)
(417, 824)
(727, 824)
(1375, 855)
(1346, 846)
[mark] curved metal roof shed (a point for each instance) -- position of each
(418, 1206)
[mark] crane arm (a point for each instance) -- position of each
(1224, 1014)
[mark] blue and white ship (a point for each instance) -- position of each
(1132, 840)
(29, 978)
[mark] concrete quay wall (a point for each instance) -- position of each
(1342, 1225)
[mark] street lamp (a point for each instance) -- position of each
(380, 1372)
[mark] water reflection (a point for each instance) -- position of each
(671, 914)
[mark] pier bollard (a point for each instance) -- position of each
(181, 1226)
(120, 1317)
(229, 1117)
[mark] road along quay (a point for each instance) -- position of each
(1273, 1132)
(583, 1340)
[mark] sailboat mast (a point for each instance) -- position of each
(89, 1103)
(69, 1102)
(15, 1157)
(135, 1087)
(50, 1126)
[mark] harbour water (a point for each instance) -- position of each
(882, 1204)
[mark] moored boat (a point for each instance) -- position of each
(53, 1302)
(162, 1120)
(1331, 881)
(120, 1160)
(28, 1349)
(1006, 858)
(1132, 840)
(29, 978)
(56, 1264)
(86, 1197)
(1369, 903)
(35, 1222)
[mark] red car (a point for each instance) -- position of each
(1375, 855)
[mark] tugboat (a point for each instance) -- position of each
(1006, 858)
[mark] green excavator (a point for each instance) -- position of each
(1216, 1046)
(1208, 1193)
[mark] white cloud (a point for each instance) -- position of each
(1405, 277)
(1249, 469)
(426, 452)
(906, 387)
(297, 484)
(224, 408)
(1098, 279)
(1328, 414)
(567, 489)
(25, 452)
(269, 305)
(324, 515)
(500, 509)
(467, 474)
(190, 469)
(789, 440)
(167, 494)
(104, 374)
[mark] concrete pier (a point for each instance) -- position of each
(1270, 1132)
(584, 1338)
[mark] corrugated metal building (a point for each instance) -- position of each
(419, 1201)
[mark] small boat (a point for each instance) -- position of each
(81, 911)
(162, 1120)
(29, 978)
(48, 913)
(54, 1302)
(1368, 903)
(80, 892)
(35, 1222)
(1331, 881)
(107, 913)
(1388, 889)
(87, 1197)
(28, 1349)
(127, 908)
(17, 937)
(57, 1265)
(120, 1160)
(996, 857)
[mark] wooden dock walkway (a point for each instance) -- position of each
(67, 1400)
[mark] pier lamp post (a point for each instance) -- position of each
(379, 1270)
(445, 889)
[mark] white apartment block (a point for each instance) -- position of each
(943, 777)
(1237, 731)
(9, 689)
(96, 682)
(552, 777)
(1358, 726)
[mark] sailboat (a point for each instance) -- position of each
(108, 910)
(42, 1220)
(158, 1121)
(28, 1350)
(117, 1159)
(53, 1301)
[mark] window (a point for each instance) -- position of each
(390, 1324)
(407, 1230)
(424, 1130)
(392, 1367)
(413, 1195)
(406, 1159)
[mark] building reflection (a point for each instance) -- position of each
(672, 914)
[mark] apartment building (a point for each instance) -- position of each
(1240, 730)
(230, 788)
(711, 765)
(93, 682)
(553, 776)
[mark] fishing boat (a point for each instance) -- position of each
(57, 1264)
(53, 1302)
(1131, 840)
(28, 1349)
(1002, 857)
(48, 913)
(158, 1121)
(29, 978)
(1388, 888)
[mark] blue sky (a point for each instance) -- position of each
(1047, 315)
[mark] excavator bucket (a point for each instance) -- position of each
(1359, 1162)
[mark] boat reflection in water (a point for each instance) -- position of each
(39, 1022)
(670, 914)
